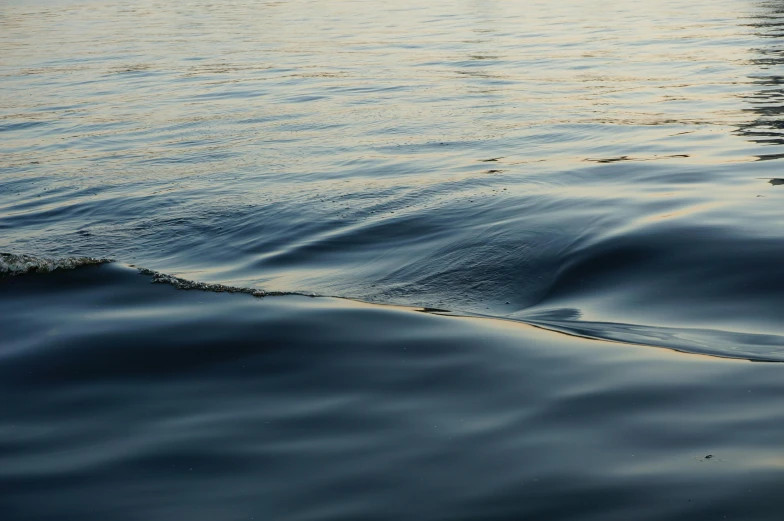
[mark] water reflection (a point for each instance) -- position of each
(484, 157)
(767, 102)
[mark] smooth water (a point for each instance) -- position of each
(128, 401)
(607, 173)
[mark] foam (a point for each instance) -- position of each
(11, 264)
(180, 283)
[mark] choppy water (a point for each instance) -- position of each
(608, 170)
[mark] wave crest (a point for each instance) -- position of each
(180, 283)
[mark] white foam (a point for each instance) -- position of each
(11, 264)
(177, 282)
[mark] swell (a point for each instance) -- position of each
(711, 342)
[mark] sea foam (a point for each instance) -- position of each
(11, 264)
(179, 283)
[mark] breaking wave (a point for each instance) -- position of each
(11, 264)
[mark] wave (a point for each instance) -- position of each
(185, 284)
(712, 342)
(11, 264)
(755, 347)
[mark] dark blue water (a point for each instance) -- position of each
(584, 197)
(130, 401)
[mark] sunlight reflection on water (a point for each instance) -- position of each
(457, 155)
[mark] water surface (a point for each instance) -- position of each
(126, 400)
(505, 158)
(604, 176)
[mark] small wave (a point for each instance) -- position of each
(628, 158)
(728, 344)
(11, 264)
(755, 347)
(185, 284)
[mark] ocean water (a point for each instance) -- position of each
(125, 400)
(552, 230)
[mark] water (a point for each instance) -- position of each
(341, 148)
(609, 173)
(130, 401)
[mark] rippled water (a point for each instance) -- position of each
(504, 158)
(607, 170)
